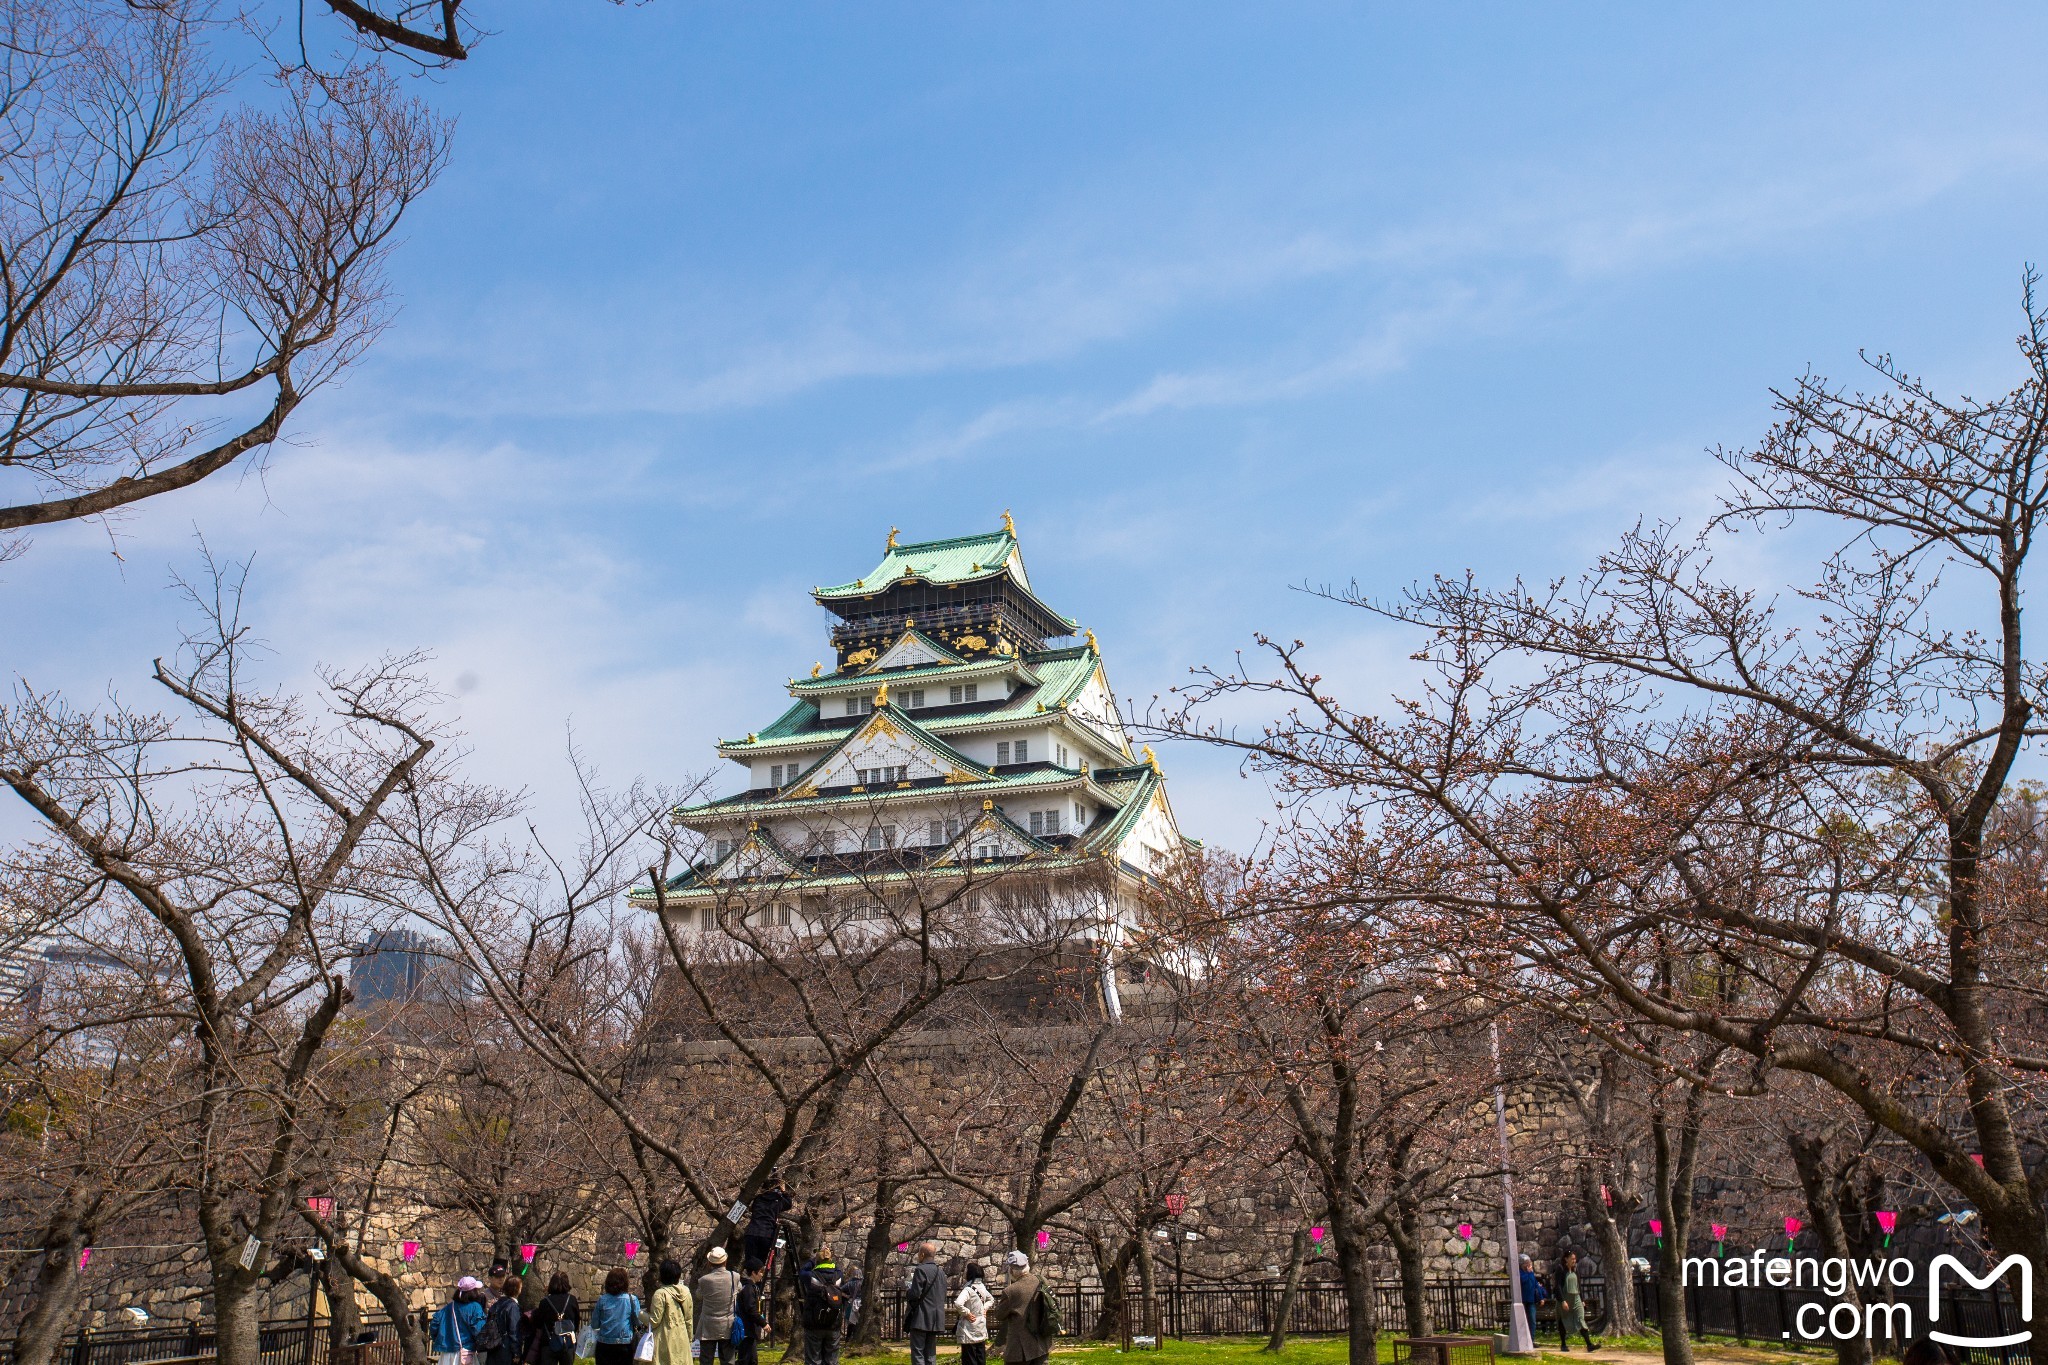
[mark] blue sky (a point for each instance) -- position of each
(1219, 300)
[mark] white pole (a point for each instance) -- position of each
(1520, 1343)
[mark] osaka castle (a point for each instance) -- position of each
(961, 732)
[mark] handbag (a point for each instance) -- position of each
(586, 1341)
(643, 1349)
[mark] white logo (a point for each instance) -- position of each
(1990, 1278)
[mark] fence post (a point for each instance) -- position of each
(1456, 1321)
(81, 1352)
(1735, 1297)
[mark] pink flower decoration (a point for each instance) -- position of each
(408, 1250)
(1720, 1232)
(1465, 1231)
(1315, 1234)
(1656, 1227)
(84, 1256)
(1044, 1238)
(1792, 1226)
(1889, 1221)
(1978, 1157)
(903, 1246)
(632, 1250)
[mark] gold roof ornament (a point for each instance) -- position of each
(988, 803)
(892, 539)
(882, 695)
(1151, 759)
(753, 737)
(1009, 526)
(816, 669)
(1093, 648)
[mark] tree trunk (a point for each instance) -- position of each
(1148, 1286)
(1675, 1164)
(343, 1321)
(236, 1338)
(1817, 1183)
(1115, 1273)
(800, 1249)
(55, 1297)
(874, 1257)
(1297, 1264)
(1610, 1234)
(1363, 1336)
(1408, 1254)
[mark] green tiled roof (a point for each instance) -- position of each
(753, 803)
(963, 559)
(857, 682)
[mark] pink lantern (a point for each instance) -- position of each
(1465, 1231)
(526, 1250)
(1044, 1239)
(1889, 1221)
(408, 1250)
(903, 1246)
(84, 1257)
(1176, 1205)
(1720, 1232)
(1656, 1227)
(632, 1250)
(1315, 1234)
(1607, 1196)
(320, 1205)
(1978, 1157)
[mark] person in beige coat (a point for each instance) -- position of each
(669, 1318)
(718, 1295)
(1021, 1346)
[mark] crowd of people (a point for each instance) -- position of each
(721, 1319)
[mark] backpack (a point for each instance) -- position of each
(564, 1335)
(824, 1302)
(1042, 1315)
(493, 1333)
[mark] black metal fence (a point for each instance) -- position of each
(1766, 1313)
(282, 1343)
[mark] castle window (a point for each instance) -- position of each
(707, 918)
(942, 832)
(1003, 751)
(881, 837)
(1045, 822)
(871, 777)
(1080, 816)
(1023, 750)
(859, 706)
(988, 851)
(959, 693)
(782, 916)
(721, 848)
(917, 696)
(1061, 749)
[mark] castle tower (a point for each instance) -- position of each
(955, 736)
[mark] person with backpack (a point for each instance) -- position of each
(502, 1339)
(616, 1319)
(556, 1320)
(669, 1317)
(924, 1305)
(1026, 1314)
(718, 1296)
(824, 1308)
(456, 1324)
(974, 1300)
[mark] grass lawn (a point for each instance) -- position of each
(1331, 1351)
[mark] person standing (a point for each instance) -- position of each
(764, 1218)
(924, 1305)
(616, 1319)
(718, 1295)
(455, 1326)
(824, 1308)
(1571, 1305)
(1022, 1342)
(1533, 1293)
(753, 1322)
(668, 1317)
(974, 1300)
(503, 1339)
(854, 1286)
(556, 1321)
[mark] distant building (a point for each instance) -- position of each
(402, 966)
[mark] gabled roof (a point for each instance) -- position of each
(757, 843)
(962, 559)
(907, 647)
(992, 817)
(863, 680)
(888, 715)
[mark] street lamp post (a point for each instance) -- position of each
(1520, 1343)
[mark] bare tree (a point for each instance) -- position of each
(244, 847)
(175, 277)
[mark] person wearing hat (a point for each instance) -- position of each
(718, 1296)
(924, 1305)
(459, 1320)
(1021, 1345)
